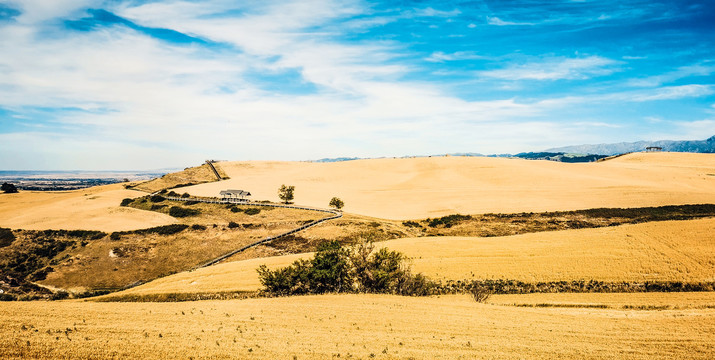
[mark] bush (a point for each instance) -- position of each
(235, 209)
(191, 202)
(8, 188)
(449, 220)
(185, 195)
(6, 237)
(163, 191)
(164, 230)
(252, 211)
(411, 223)
(60, 295)
(161, 230)
(155, 207)
(157, 198)
(80, 234)
(338, 269)
(198, 227)
(233, 225)
(126, 202)
(178, 211)
(480, 294)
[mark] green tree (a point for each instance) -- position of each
(336, 203)
(285, 193)
(331, 269)
(8, 188)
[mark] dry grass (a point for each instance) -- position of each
(348, 326)
(658, 251)
(189, 176)
(679, 300)
(95, 208)
(430, 187)
(112, 264)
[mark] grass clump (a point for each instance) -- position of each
(448, 221)
(178, 211)
(126, 202)
(252, 211)
(336, 269)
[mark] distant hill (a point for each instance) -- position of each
(695, 146)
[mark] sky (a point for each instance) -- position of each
(133, 85)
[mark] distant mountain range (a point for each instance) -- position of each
(587, 153)
(695, 146)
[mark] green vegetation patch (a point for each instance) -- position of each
(178, 211)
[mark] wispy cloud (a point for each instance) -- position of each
(439, 56)
(555, 69)
(493, 20)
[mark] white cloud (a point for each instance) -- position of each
(555, 69)
(439, 56)
(493, 20)
(680, 73)
(665, 93)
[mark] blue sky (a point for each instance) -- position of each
(90, 84)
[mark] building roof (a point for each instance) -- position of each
(235, 192)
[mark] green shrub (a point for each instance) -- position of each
(172, 194)
(185, 195)
(157, 198)
(191, 202)
(338, 269)
(233, 225)
(449, 220)
(126, 202)
(178, 211)
(235, 209)
(80, 234)
(164, 230)
(155, 207)
(411, 223)
(59, 295)
(198, 227)
(252, 211)
(163, 191)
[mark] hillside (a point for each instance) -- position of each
(656, 251)
(693, 146)
(428, 187)
(95, 208)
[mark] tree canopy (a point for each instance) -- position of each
(285, 193)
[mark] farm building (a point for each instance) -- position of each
(240, 195)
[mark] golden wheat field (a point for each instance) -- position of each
(657, 251)
(95, 208)
(426, 187)
(654, 300)
(348, 326)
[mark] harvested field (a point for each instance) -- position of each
(348, 326)
(95, 208)
(646, 301)
(429, 187)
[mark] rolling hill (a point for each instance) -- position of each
(428, 187)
